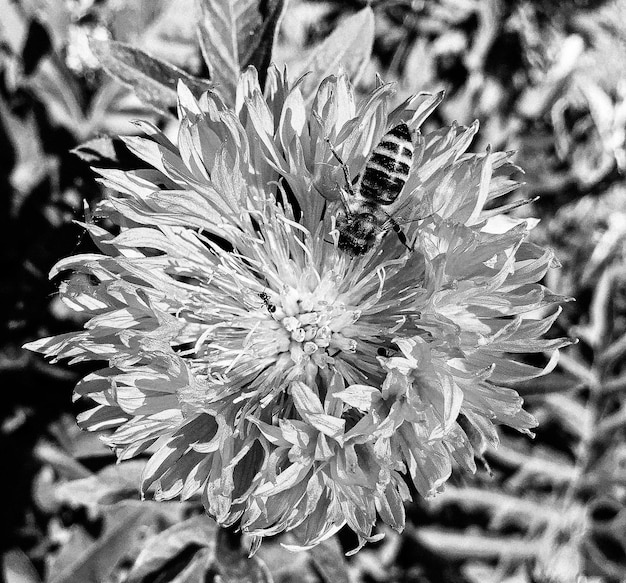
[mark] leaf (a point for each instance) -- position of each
(171, 35)
(459, 546)
(606, 553)
(24, 151)
(17, 568)
(194, 571)
(329, 560)
(297, 568)
(235, 34)
(154, 81)
(349, 46)
(76, 542)
(233, 564)
(106, 152)
(106, 487)
(96, 150)
(63, 463)
(568, 411)
(259, 53)
(599, 331)
(13, 25)
(173, 550)
(480, 573)
(102, 557)
(555, 382)
(187, 564)
(59, 91)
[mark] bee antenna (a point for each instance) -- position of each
(346, 171)
(344, 166)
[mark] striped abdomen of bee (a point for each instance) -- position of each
(387, 168)
(363, 221)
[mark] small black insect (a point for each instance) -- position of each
(388, 351)
(271, 308)
(363, 221)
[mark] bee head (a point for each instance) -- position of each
(358, 232)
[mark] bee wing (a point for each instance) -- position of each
(397, 222)
(409, 208)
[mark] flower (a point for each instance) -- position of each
(295, 386)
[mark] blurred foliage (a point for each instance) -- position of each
(546, 78)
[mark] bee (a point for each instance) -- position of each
(363, 222)
(271, 308)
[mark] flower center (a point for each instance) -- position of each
(315, 329)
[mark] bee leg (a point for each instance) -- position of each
(402, 236)
(398, 231)
(344, 199)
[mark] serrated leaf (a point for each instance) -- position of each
(235, 34)
(174, 549)
(154, 81)
(348, 47)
